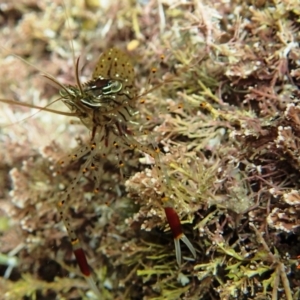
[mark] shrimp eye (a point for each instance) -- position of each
(99, 92)
(112, 87)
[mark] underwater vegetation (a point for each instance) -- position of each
(208, 128)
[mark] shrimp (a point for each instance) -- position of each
(106, 106)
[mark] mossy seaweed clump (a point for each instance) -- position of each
(226, 119)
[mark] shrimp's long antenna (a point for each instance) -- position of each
(44, 108)
(45, 74)
(77, 76)
(75, 62)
